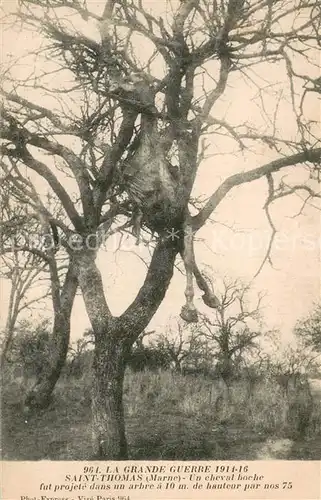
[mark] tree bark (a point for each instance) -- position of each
(114, 338)
(12, 315)
(41, 393)
(178, 367)
(108, 423)
(9, 331)
(226, 368)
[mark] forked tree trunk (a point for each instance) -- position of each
(41, 393)
(114, 338)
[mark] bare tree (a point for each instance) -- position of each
(23, 271)
(30, 262)
(23, 274)
(308, 330)
(119, 142)
(235, 328)
(183, 345)
(77, 352)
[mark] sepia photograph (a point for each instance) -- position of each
(160, 240)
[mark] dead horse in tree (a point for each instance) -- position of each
(152, 185)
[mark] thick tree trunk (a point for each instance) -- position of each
(178, 366)
(9, 331)
(114, 338)
(41, 393)
(13, 311)
(226, 368)
(108, 424)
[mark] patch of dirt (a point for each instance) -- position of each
(315, 388)
(275, 449)
(282, 449)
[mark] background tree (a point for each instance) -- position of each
(185, 346)
(308, 330)
(148, 357)
(31, 348)
(120, 143)
(29, 260)
(235, 328)
(23, 271)
(80, 356)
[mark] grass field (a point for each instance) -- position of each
(168, 416)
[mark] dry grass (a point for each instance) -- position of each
(168, 416)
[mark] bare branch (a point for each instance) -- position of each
(309, 156)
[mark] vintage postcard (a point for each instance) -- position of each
(160, 249)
